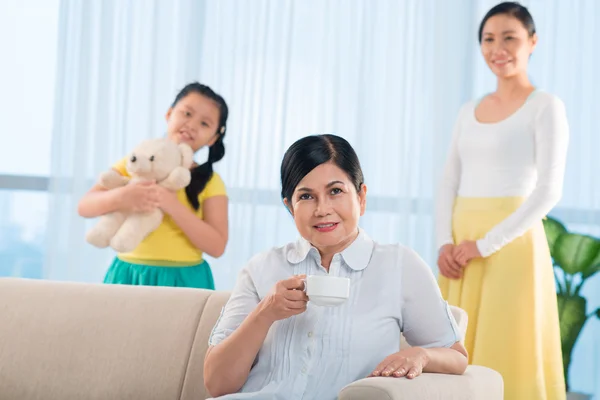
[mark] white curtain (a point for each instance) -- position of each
(388, 75)
(363, 70)
(119, 67)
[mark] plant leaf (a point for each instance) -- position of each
(575, 253)
(571, 313)
(594, 267)
(553, 230)
(591, 271)
(598, 313)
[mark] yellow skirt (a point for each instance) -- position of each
(510, 298)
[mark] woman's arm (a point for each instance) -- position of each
(209, 235)
(227, 365)
(427, 320)
(453, 360)
(551, 143)
(426, 323)
(242, 329)
(413, 361)
(448, 189)
(228, 360)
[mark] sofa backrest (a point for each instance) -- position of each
(66, 341)
(61, 340)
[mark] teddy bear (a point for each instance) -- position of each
(160, 160)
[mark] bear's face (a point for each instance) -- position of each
(154, 159)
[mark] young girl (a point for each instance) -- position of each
(195, 220)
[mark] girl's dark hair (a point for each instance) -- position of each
(202, 173)
(311, 151)
(512, 9)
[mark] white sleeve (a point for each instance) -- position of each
(448, 189)
(243, 300)
(551, 143)
(426, 318)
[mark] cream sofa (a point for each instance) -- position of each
(67, 341)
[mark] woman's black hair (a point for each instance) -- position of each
(202, 173)
(512, 9)
(311, 151)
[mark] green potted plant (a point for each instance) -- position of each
(576, 259)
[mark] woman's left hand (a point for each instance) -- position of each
(167, 199)
(466, 251)
(408, 362)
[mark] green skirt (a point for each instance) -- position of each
(195, 276)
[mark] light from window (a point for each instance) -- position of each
(23, 216)
(28, 39)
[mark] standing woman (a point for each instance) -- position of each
(503, 175)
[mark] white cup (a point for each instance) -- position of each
(323, 290)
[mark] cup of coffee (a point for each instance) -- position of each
(325, 290)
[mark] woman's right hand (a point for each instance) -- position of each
(448, 266)
(287, 298)
(140, 197)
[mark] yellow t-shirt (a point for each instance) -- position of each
(168, 245)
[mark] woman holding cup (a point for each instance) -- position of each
(277, 336)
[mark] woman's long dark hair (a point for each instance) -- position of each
(202, 173)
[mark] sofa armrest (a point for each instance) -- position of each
(476, 383)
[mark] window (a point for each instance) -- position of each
(28, 34)
(22, 233)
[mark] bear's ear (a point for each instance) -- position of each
(187, 155)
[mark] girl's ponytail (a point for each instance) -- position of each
(202, 173)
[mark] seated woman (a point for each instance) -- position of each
(272, 343)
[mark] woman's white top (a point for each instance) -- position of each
(523, 155)
(315, 354)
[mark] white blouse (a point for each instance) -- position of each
(315, 354)
(523, 155)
